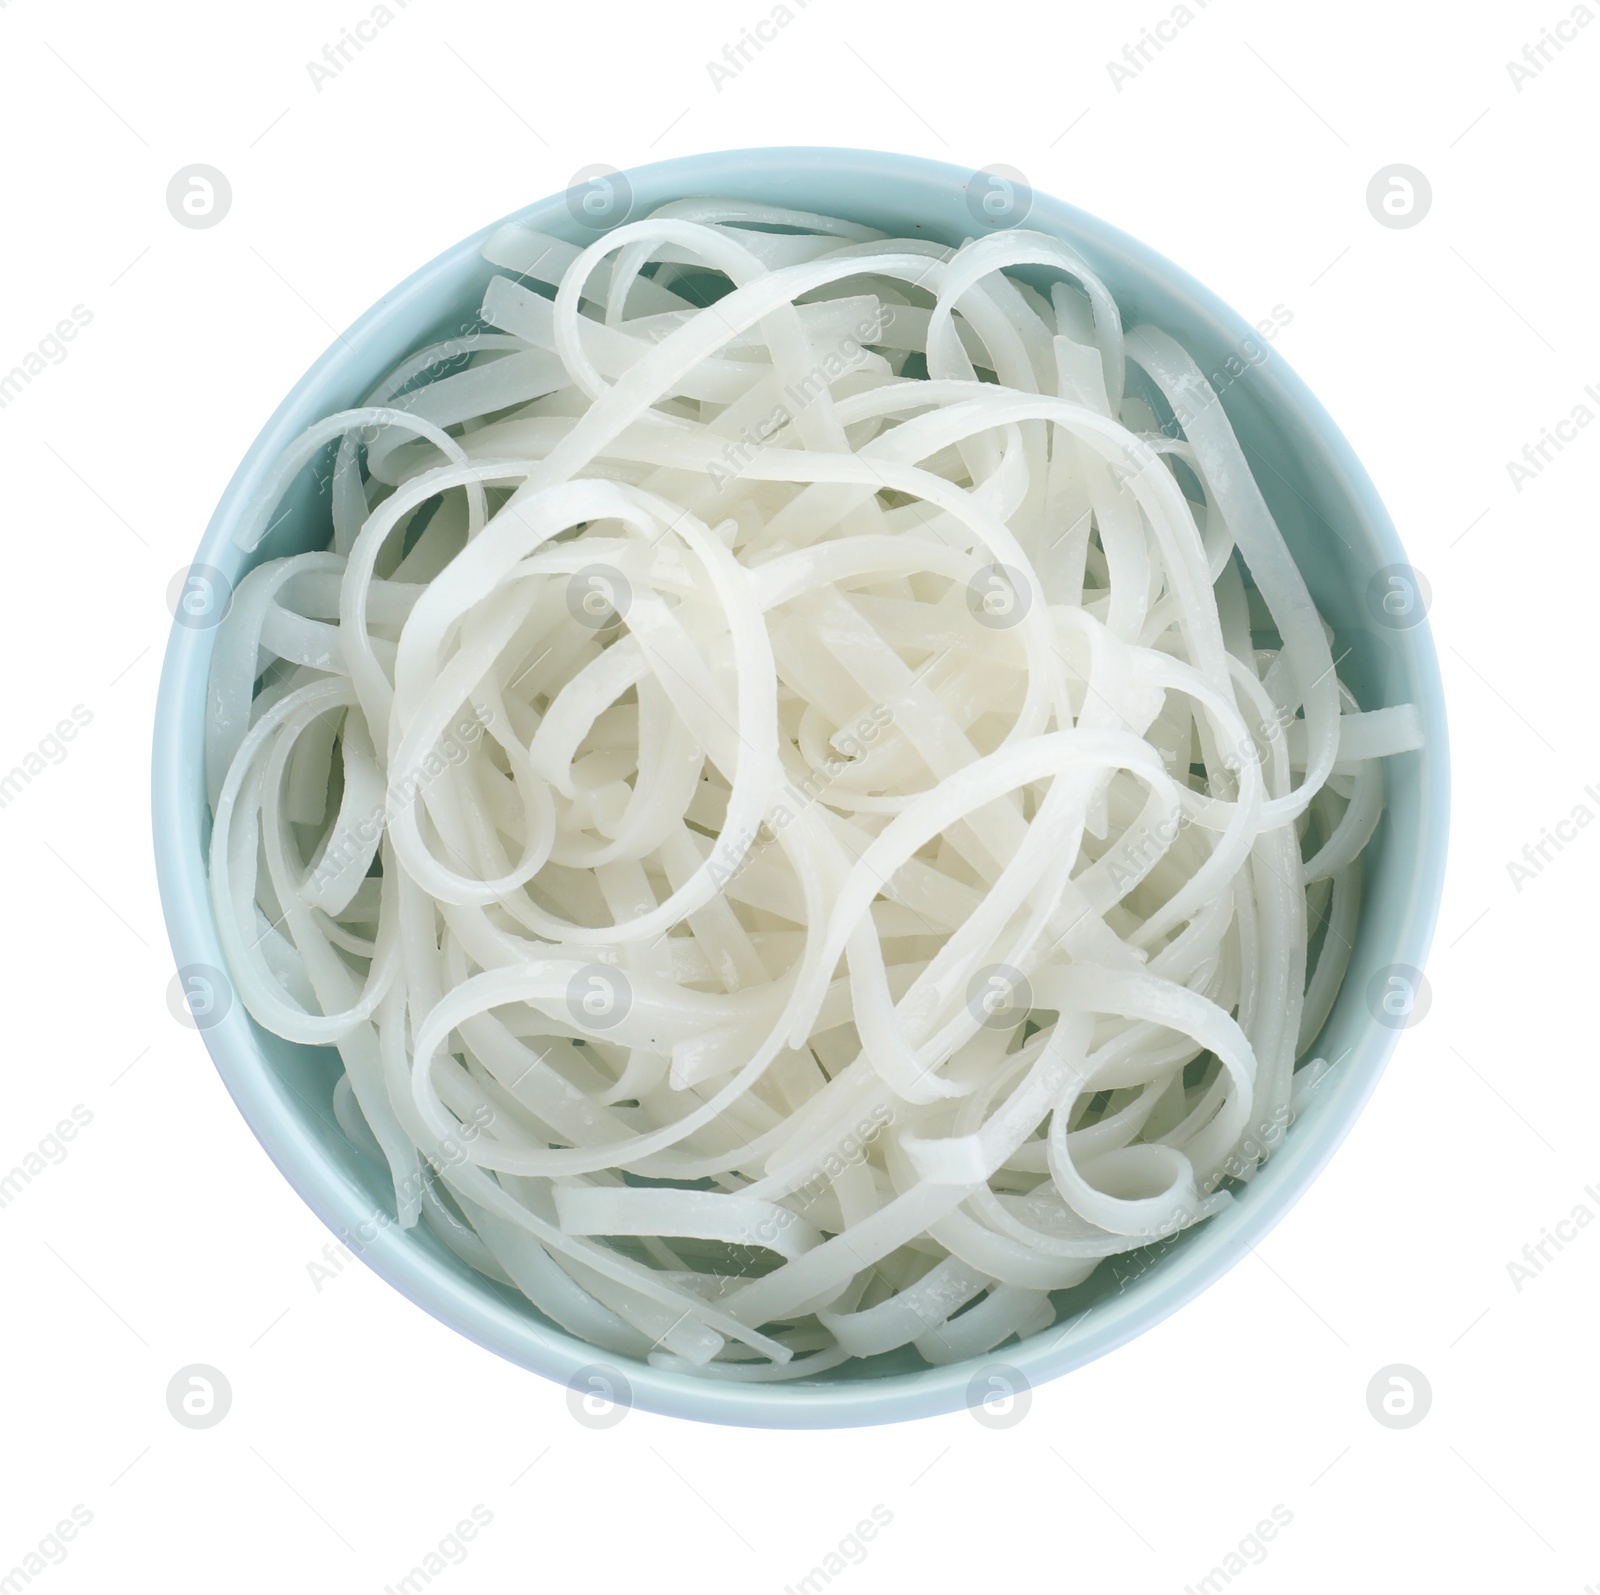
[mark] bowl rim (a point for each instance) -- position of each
(347, 1210)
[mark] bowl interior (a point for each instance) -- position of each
(1340, 536)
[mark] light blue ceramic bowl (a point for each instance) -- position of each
(1337, 528)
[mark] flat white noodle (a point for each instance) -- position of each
(812, 819)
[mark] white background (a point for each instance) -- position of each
(361, 1430)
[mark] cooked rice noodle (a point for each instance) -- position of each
(811, 820)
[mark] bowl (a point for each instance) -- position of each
(1341, 537)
